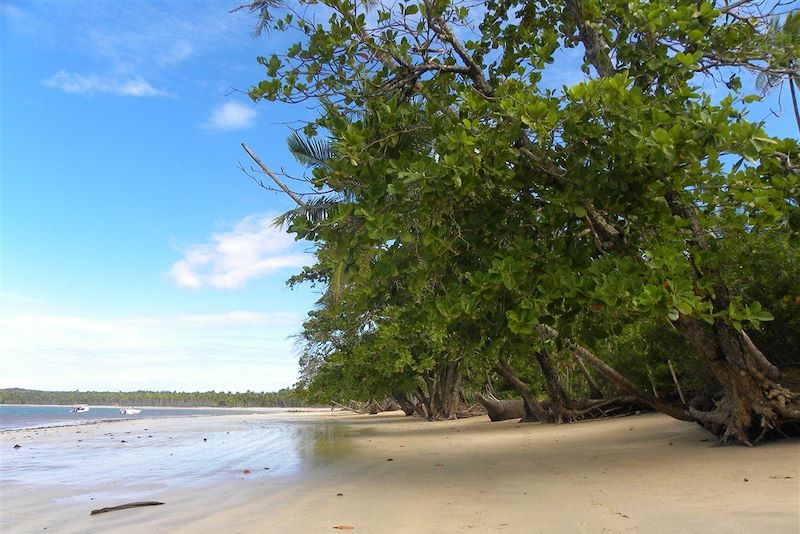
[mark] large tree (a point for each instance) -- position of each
(532, 206)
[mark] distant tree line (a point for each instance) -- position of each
(283, 398)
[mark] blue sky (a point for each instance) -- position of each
(134, 253)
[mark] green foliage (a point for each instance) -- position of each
(480, 203)
(764, 267)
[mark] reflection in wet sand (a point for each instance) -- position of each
(184, 455)
(328, 444)
(202, 465)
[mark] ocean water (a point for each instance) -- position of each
(14, 416)
(138, 459)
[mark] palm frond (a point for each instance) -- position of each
(309, 151)
(787, 33)
(766, 82)
(315, 210)
(262, 10)
(791, 25)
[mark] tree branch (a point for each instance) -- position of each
(274, 178)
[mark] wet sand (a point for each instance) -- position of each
(390, 474)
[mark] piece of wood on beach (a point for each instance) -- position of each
(125, 506)
(344, 527)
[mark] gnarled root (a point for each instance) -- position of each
(752, 416)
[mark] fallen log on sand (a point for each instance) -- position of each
(502, 409)
(125, 506)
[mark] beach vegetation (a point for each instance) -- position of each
(487, 218)
(288, 397)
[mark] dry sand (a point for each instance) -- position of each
(390, 474)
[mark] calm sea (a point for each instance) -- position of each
(26, 416)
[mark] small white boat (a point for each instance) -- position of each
(129, 411)
(79, 409)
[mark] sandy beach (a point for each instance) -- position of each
(316, 470)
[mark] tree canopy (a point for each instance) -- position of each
(474, 218)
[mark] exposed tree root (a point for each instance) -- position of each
(750, 422)
(754, 405)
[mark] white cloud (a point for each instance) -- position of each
(73, 83)
(231, 116)
(235, 350)
(252, 249)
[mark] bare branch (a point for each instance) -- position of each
(274, 178)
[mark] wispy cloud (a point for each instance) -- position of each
(7, 10)
(176, 53)
(73, 83)
(121, 45)
(231, 116)
(252, 249)
(162, 44)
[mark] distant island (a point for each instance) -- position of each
(274, 399)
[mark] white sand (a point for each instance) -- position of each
(638, 474)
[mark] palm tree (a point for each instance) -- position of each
(313, 153)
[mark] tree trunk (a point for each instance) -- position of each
(560, 403)
(594, 390)
(423, 401)
(444, 388)
(502, 409)
(449, 391)
(406, 404)
(753, 403)
(533, 410)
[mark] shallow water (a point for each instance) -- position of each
(148, 455)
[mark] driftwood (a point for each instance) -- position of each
(620, 381)
(469, 410)
(125, 506)
(343, 407)
(503, 409)
(372, 407)
(389, 405)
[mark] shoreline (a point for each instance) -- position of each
(146, 416)
(389, 473)
(171, 407)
